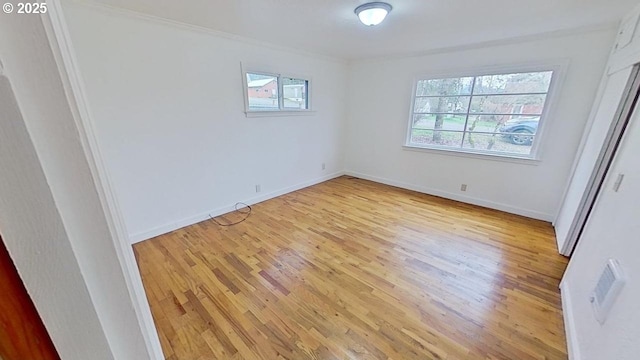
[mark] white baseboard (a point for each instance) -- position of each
(167, 228)
(466, 199)
(569, 325)
(145, 235)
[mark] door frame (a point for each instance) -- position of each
(603, 163)
(57, 33)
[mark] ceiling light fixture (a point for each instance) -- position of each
(373, 13)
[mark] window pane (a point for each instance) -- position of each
(498, 143)
(452, 104)
(524, 126)
(262, 92)
(535, 82)
(508, 104)
(294, 92)
(431, 137)
(439, 122)
(486, 123)
(443, 87)
(503, 123)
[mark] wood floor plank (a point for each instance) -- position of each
(351, 269)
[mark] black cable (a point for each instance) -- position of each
(246, 212)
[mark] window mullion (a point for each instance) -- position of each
(280, 93)
(466, 120)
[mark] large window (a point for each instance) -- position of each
(273, 92)
(496, 114)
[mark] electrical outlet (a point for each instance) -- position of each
(463, 187)
(258, 188)
(323, 166)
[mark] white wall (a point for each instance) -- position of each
(611, 232)
(51, 217)
(380, 100)
(168, 109)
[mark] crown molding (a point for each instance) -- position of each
(118, 11)
(607, 26)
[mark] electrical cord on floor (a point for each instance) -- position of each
(246, 212)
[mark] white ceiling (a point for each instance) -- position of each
(331, 28)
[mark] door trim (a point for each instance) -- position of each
(55, 27)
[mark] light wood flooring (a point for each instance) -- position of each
(351, 269)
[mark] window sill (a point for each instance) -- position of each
(277, 113)
(474, 154)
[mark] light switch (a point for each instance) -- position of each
(616, 185)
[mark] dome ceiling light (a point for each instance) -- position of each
(372, 13)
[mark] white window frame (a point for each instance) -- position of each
(558, 67)
(281, 110)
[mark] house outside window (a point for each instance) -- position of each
(275, 93)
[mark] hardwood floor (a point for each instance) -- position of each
(351, 269)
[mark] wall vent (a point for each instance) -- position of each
(607, 290)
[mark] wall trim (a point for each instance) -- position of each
(172, 226)
(571, 31)
(560, 33)
(119, 11)
(451, 196)
(573, 350)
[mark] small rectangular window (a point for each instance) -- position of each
(496, 114)
(266, 92)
